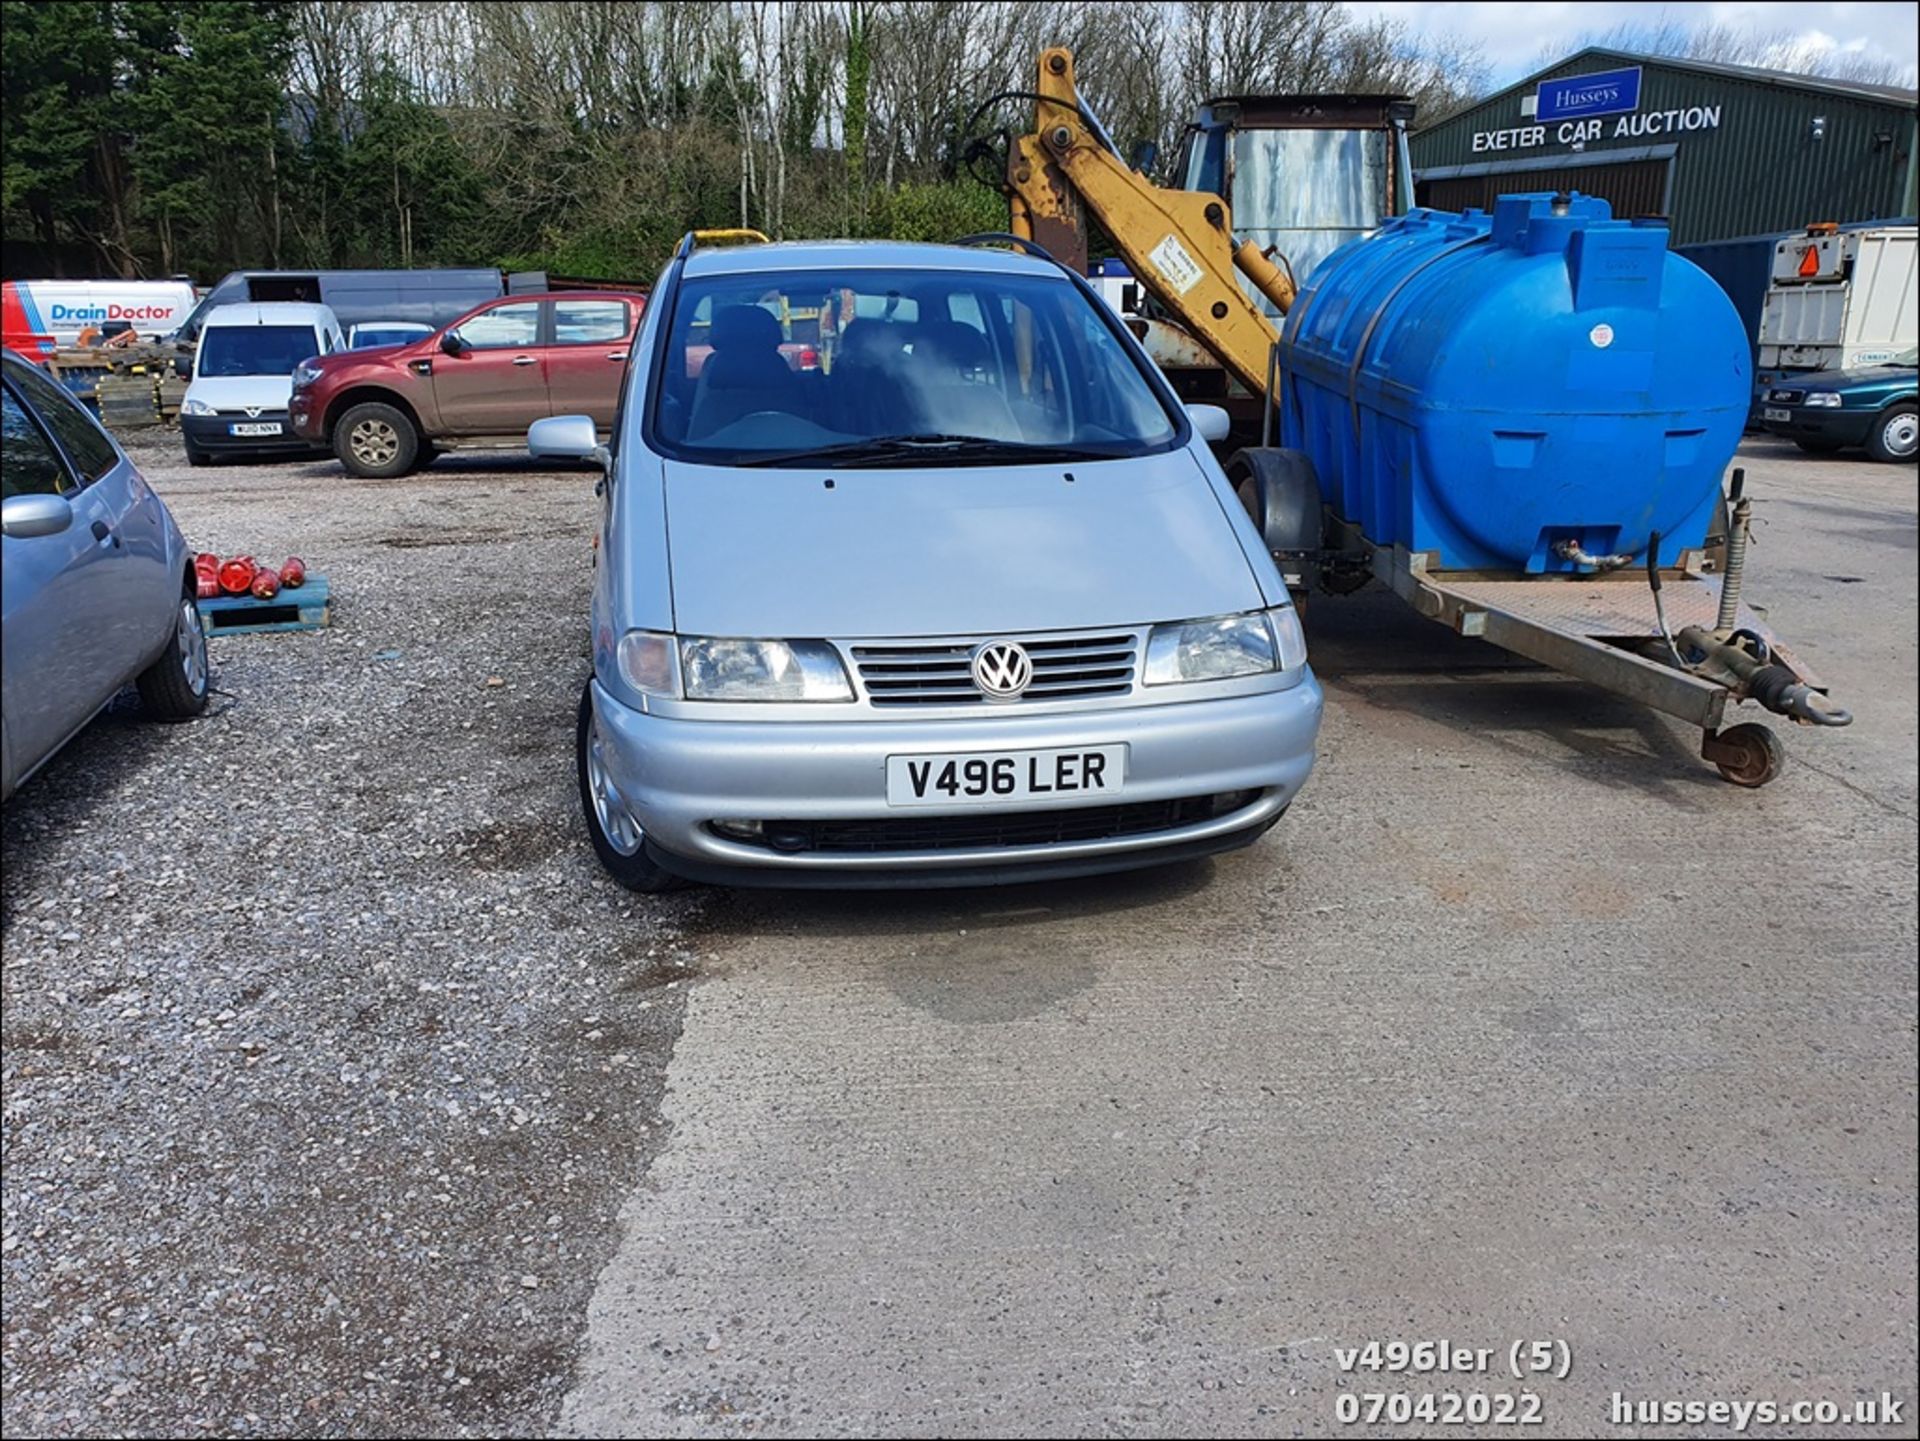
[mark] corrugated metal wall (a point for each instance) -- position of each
(1760, 169)
(1634, 187)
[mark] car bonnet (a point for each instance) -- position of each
(806, 552)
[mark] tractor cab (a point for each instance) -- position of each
(1301, 174)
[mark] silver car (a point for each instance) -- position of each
(913, 571)
(96, 583)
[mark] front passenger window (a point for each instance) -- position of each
(505, 327)
(85, 443)
(28, 464)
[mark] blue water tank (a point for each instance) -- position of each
(1484, 387)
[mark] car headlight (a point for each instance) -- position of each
(196, 407)
(1824, 400)
(1224, 647)
(305, 373)
(763, 670)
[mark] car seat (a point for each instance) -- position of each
(746, 372)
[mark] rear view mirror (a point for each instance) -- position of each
(452, 343)
(1146, 155)
(1210, 421)
(183, 366)
(26, 516)
(565, 437)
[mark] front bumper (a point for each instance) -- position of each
(1834, 427)
(213, 432)
(305, 418)
(680, 776)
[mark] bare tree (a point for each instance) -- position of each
(1777, 49)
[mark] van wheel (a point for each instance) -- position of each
(617, 838)
(376, 441)
(174, 687)
(1896, 434)
(195, 455)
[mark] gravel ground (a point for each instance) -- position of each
(332, 1062)
(325, 1037)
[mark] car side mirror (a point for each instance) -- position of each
(452, 343)
(566, 437)
(25, 516)
(183, 366)
(1210, 421)
(1146, 155)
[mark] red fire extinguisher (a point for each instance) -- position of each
(293, 574)
(266, 583)
(236, 575)
(206, 574)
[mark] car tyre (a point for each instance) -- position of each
(1818, 447)
(195, 455)
(624, 853)
(1895, 436)
(175, 686)
(376, 441)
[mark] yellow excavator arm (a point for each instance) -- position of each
(1178, 243)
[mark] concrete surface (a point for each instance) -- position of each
(1523, 1026)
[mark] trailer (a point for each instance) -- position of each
(1840, 299)
(1520, 422)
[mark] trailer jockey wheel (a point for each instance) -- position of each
(1748, 755)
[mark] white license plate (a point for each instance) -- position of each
(1774, 413)
(254, 427)
(1000, 777)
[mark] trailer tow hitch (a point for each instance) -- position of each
(1742, 661)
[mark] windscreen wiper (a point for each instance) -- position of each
(929, 450)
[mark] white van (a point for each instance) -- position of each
(38, 315)
(243, 377)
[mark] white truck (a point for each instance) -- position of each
(1839, 299)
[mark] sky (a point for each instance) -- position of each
(1513, 35)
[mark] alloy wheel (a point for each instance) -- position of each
(609, 807)
(191, 642)
(374, 442)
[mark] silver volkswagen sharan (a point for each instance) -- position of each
(912, 571)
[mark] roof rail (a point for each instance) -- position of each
(1003, 237)
(738, 234)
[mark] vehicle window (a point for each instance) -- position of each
(365, 336)
(769, 367)
(86, 445)
(28, 463)
(230, 350)
(588, 322)
(505, 327)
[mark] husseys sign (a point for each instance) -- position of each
(1604, 105)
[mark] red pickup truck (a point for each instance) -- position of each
(481, 380)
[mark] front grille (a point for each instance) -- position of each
(1016, 828)
(1065, 667)
(1786, 397)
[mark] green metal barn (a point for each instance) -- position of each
(1720, 150)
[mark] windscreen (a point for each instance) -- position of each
(367, 336)
(227, 350)
(1308, 191)
(773, 366)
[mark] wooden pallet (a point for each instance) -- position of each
(307, 608)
